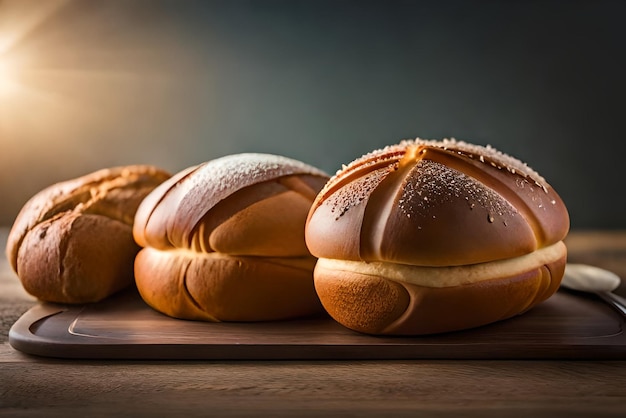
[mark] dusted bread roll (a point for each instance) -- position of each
(434, 236)
(72, 242)
(224, 241)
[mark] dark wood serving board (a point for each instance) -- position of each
(567, 326)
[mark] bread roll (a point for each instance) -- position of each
(427, 237)
(224, 240)
(72, 242)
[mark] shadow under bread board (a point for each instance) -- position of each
(566, 326)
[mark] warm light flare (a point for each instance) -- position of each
(8, 83)
(18, 95)
(79, 80)
(62, 78)
(90, 84)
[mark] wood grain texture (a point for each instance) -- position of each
(433, 388)
(33, 387)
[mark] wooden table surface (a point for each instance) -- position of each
(31, 386)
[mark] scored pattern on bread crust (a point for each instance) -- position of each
(416, 199)
(72, 242)
(224, 240)
(435, 203)
(175, 210)
(485, 154)
(390, 157)
(112, 192)
(434, 236)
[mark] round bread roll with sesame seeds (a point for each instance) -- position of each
(427, 237)
(224, 241)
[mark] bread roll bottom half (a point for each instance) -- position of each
(394, 299)
(219, 287)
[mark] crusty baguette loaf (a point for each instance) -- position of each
(434, 236)
(72, 242)
(224, 240)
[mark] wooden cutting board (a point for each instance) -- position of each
(566, 326)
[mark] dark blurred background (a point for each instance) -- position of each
(90, 84)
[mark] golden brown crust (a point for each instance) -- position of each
(184, 210)
(376, 305)
(425, 202)
(224, 240)
(440, 206)
(219, 287)
(72, 242)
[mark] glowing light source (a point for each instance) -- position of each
(8, 83)
(4, 71)
(69, 71)
(18, 95)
